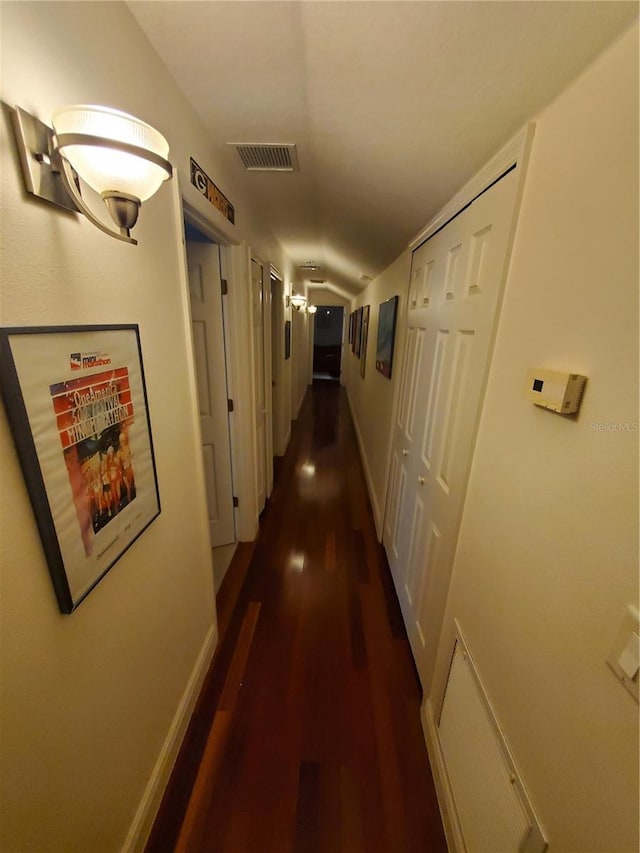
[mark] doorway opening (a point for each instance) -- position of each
(327, 342)
(210, 360)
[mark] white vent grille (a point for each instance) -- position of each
(491, 803)
(318, 280)
(267, 157)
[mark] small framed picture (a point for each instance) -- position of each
(358, 331)
(386, 336)
(287, 339)
(364, 335)
(76, 401)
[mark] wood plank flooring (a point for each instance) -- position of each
(307, 736)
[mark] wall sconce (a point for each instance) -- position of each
(311, 309)
(298, 301)
(117, 155)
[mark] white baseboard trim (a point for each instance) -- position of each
(300, 402)
(375, 506)
(452, 831)
(140, 829)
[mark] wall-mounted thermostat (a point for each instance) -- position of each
(560, 392)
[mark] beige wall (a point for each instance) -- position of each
(91, 702)
(548, 551)
(324, 296)
(371, 399)
(299, 359)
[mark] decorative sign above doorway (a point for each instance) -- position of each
(203, 183)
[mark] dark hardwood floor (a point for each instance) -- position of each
(307, 735)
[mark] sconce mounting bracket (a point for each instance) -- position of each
(40, 162)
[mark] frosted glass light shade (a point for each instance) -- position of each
(107, 170)
(297, 300)
(312, 309)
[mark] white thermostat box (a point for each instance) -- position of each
(560, 392)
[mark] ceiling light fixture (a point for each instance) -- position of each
(311, 309)
(309, 265)
(120, 157)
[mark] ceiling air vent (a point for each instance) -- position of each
(267, 157)
(317, 281)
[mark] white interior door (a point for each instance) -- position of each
(454, 298)
(277, 323)
(258, 306)
(208, 344)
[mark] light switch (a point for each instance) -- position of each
(629, 660)
(624, 657)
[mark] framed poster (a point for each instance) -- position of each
(76, 401)
(358, 330)
(287, 339)
(364, 335)
(351, 328)
(386, 336)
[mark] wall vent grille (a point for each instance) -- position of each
(267, 157)
(491, 802)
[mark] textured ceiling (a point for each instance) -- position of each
(393, 105)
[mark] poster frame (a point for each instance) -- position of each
(113, 398)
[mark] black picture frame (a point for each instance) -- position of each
(386, 336)
(76, 402)
(364, 337)
(287, 339)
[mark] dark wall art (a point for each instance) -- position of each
(364, 335)
(358, 331)
(386, 336)
(287, 339)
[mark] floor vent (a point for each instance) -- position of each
(267, 157)
(492, 806)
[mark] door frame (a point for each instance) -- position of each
(207, 251)
(515, 153)
(235, 269)
(266, 372)
(276, 283)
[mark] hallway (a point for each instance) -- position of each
(309, 718)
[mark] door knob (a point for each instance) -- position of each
(421, 481)
(405, 452)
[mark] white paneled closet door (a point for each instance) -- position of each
(210, 359)
(455, 292)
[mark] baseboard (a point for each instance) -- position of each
(300, 402)
(222, 555)
(375, 506)
(147, 809)
(452, 831)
